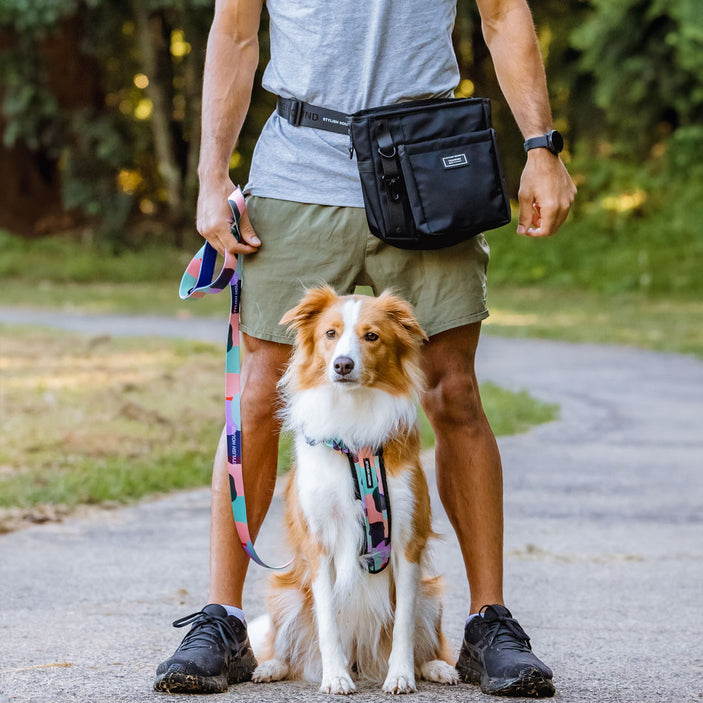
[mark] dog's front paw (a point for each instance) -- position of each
(340, 684)
(439, 672)
(399, 682)
(271, 670)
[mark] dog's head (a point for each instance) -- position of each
(355, 341)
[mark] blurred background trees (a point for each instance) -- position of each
(100, 102)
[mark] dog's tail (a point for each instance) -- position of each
(259, 631)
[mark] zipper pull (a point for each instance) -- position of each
(351, 144)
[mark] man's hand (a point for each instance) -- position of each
(545, 195)
(214, 220)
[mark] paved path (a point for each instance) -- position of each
(604, 544)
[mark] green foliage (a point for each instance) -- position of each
(92, 122)
(634, 230)
(624, 82)
(39, 17)
(29, 107)
(646, 77)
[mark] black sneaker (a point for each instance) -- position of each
(496, 654)
(215, 653)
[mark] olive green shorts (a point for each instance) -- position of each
(304, 246)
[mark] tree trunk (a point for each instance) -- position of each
(149, 37)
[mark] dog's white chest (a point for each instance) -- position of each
(327, 498)
(332, 511)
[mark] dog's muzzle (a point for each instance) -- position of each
(343, 367)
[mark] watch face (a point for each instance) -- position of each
(556, 142)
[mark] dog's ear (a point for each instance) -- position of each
(402, 312)
(312, 304)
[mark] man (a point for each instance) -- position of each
(309, 226)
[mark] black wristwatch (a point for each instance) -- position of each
(553, 141)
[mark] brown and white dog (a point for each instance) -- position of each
(355, 377)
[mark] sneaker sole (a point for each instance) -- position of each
(530, 684)
(180, 682)
(175, 680)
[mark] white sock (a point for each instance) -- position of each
(237, 612)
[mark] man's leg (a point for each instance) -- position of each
(216, 650)
(496, 651)
(469, 473)
(263, 363)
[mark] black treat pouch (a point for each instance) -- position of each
(430, 171)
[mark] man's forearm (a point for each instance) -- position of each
(230, 64)
(510, 36)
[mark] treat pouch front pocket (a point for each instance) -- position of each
(455, 184)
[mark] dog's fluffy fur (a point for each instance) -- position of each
(328, 617)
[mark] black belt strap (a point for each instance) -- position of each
(392, 180)
(301, 114)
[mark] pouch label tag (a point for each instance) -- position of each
(455, 160)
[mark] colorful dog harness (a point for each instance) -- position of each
(196, 283)
(369, 479)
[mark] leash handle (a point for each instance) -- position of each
(197, 282)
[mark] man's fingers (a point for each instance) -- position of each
(546, 194)
(545, 220)
(563, 214)
(247, 231)
(553, 217)
(548, 216)
(223, 240)
(215, 220)
(230, 243)
(526, 213)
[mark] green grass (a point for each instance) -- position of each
(89, 420)
(628, 277)
(662, 324)
(536, 310)
(94, 419)
(141, 297)
(64, 259)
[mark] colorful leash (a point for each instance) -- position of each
(196, 283)
(369, 479)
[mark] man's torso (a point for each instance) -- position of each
(345, 56)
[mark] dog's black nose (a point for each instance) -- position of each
(343, 365)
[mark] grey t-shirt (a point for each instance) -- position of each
(345, 55)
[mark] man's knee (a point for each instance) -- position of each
(263, 364)
(453, 399)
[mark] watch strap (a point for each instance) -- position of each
(552, 141)
(537, 142)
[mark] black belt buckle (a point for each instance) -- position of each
(295, 112)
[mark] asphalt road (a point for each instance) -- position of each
(604, 544)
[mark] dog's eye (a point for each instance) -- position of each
(370, 336)
(330, 334)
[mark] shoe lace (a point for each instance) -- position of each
(206, 629)
(507, 633)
